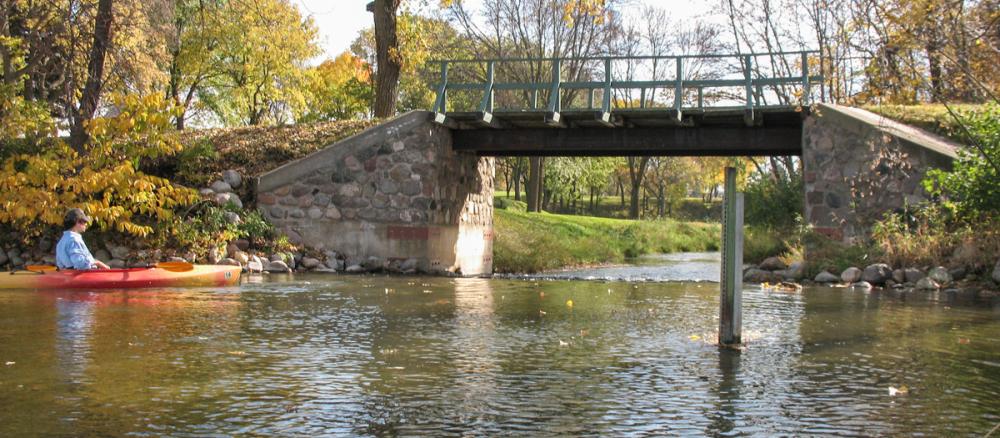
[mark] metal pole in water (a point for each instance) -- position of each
(731, 295)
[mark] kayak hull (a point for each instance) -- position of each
(200, 276)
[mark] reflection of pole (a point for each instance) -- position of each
(730, 303)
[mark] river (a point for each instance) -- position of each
(361, 355)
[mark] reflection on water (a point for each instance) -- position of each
(314, 355)
(686, 266)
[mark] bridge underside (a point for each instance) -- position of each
(648, 132)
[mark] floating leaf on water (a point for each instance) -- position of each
(426, 291)
(963, 341)
(237, 353)
(584, 332)
(563, 343)
(694, 337)
(9, 363)
(569, 303)
(541, 312)
(902, 390)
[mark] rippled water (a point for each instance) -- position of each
(315, 355)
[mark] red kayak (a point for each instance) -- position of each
(200, 276)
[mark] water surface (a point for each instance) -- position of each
(338, 355)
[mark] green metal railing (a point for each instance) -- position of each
(697, 82)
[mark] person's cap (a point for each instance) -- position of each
(76, 215)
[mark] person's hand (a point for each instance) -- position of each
(101, 265)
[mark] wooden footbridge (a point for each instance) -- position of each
(691, 105)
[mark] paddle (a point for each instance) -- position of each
(166, 266)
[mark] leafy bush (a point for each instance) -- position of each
(775, 203)
(509, 204)
(973, 186)
(36, 189)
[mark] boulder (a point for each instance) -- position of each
(242, 244)
(355, 269)
(409, 266)
(756, 275)
(255, 264)
(898, 276)
(241, 257)
(206, 193)
(118, 252)
(996, 272)
(851, 275)
(231, 249)
(940, 275)
(232, 218)
(229, 262)
(214, 255)
(796, 271)
(232, 178)
(277, 266)
(310, 263)
(221, 187)
(913, 275)
(335, 264)
(826, 277)
(222, 199)
(13, 252)
(927, 283)
(957, 274)
(373, 263)
(877, 273)
(967, 253)
(772, 264)
(116, 264)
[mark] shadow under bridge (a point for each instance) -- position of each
(691, 105)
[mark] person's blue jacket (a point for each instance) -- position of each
(72, 253)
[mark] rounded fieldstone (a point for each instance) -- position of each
(388, 187)
(296, 213)
(310, 262)
(411, 188)
(996, 272)
(913, 275)
(221, 187)
(826, 277)
(400, 172)
(232, 218)
(232, 178)
(940, 275)
(206, 193)
(877, 273)
(315, 213)
(332, 213)
(769, 264)
(927, 283)
(277, 266)
(277, 212)
(851, 275)
(321, 200)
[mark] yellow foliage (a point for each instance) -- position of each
(103, 180)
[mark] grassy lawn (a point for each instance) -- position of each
(533, 242)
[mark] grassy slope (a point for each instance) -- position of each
(542, 241)
(929, 117)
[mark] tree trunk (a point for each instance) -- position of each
(91, 96)
(387, 58)
(534, 184)
(636, 170)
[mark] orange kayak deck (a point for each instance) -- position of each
(200, 276)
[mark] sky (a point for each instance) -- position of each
(339, 21)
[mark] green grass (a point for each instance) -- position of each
(533, 242)
(610, 206)
(929, 117)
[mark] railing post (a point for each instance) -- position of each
(679, 87)
(805, 79)
(441, 102)
(748, 76)
(486, 105)
(555, 101)
(590, 98)
(642, 97)
(731, 287)
(701, 102)
(606, 101)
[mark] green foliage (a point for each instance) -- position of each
(206, 227)
(502, 203)
(973, 186)
(773, 202)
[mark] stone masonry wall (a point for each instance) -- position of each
(394, 192)
(858, 165)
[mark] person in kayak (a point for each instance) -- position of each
(71, 251)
